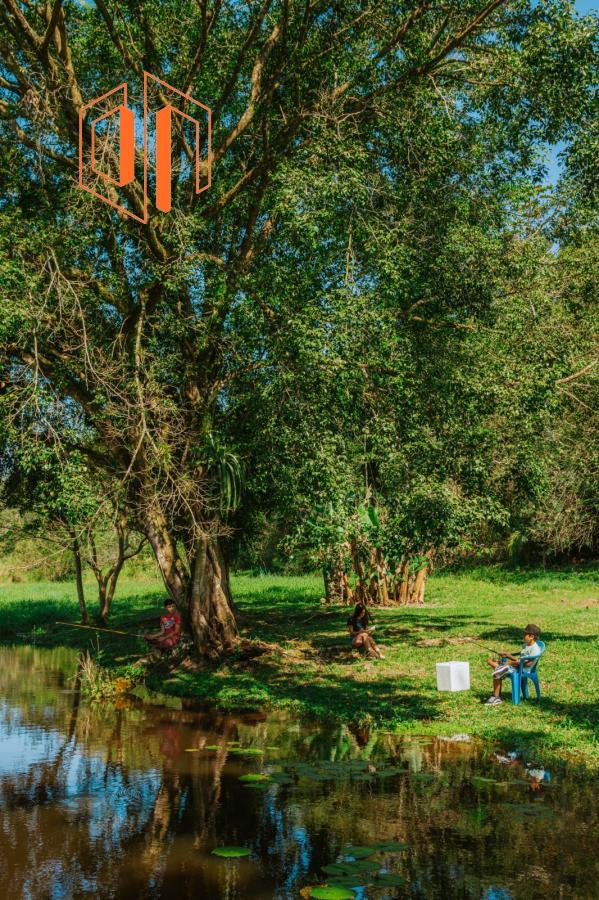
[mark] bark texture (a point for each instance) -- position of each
(211, 616)
(79, 580)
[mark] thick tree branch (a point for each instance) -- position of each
(255, 92)
(207, 23)
(241, 57)
(576, 375)
(52, 23)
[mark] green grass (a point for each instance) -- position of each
(314, 671)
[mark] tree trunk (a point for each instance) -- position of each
(347, 595)
(358, 568)
(382, 577)
(334, 588)
(103, 604)
(417, 595)
(405, 581)
(111, 586)
(223, 563)
(107, 587)
(420, 598)
(168, 560)
(203, 596)
(211, 617)
(79, 580)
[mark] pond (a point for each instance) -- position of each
(129, 800)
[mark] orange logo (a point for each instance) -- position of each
(107, 150)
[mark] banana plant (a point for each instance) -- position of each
(226, 467)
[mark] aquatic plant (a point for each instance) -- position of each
(231, 852)
(98, 683)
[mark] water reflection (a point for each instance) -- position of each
(128, 802)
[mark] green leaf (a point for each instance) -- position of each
(373, 516)
(389, 879)
(358, 852)
(391, 846)
(332, 892)
(231, 852)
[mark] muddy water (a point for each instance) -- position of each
(128, 802)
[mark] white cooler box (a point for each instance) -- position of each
(453, 676)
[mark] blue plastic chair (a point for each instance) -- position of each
(523, 675)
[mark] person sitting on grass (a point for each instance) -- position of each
(170, 628)
(502, 667)
(359, 628)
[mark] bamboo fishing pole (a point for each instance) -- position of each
(488, 649)
(96, 628)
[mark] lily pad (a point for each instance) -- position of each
(258, 785)
(335, 869)
(358, 867)
(254, 776)
(358, 852)
(332, 892)
(231, 852)
(192, 749)
(280, 778)
(350, 881)
(529, 811)
(389, 879)
(390, 846)
(211, 747)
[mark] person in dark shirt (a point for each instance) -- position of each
(170, 628)
(359, 625)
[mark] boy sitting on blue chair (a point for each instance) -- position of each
(530, 651)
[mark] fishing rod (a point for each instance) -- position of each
(96, 628)
(488, 649)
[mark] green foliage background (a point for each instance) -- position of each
(378, 303)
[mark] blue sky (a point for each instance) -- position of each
(583, 7)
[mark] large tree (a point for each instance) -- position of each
(147, 330)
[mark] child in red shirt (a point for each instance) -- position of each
(170, 628)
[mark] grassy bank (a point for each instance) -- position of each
(313, 670)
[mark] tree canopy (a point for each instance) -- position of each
(364, 304)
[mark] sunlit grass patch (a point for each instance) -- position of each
(315, 671)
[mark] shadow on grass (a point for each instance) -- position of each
(380, 699)
(323, 626)
(278, 615)
(582, 714)
(579, 713)
(513, 635)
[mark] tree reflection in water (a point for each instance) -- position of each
(106, 800)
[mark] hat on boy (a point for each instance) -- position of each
(533, 629)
